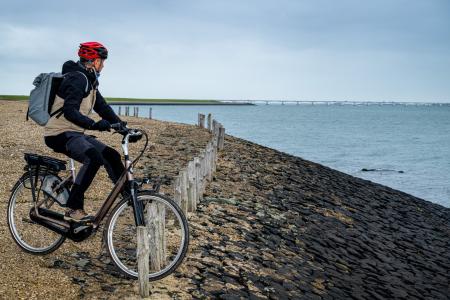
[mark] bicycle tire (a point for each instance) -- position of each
(111, 224)
(12, 226)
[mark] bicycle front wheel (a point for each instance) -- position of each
(168, 235)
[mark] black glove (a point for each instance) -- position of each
(120, 127)
(101, 125)
(123, 124)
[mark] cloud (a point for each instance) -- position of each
(349, 49)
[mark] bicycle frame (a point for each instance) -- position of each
(126, 177)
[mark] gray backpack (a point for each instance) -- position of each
(43, 95)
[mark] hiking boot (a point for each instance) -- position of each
(78, 216)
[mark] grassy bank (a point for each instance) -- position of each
(13, 97)
(170, 101)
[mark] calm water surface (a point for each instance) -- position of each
(411, 139)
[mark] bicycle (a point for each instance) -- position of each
(38, 227)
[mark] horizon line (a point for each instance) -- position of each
(112, 99)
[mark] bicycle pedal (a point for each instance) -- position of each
(81, 228)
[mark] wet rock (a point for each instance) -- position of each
(82, 263)
(108, 288)
(78, 280)
(60, 264)
(229, 296)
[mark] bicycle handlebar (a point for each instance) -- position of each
(131, 135)
(124, 130)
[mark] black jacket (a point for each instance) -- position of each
(72, 90)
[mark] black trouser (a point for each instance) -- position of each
(92, 154)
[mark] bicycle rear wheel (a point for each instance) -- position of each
(28, 235)
(168, 235)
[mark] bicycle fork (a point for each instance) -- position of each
(138, 207)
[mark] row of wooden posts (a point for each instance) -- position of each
(189, 186)
(126, 111)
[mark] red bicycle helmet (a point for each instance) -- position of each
(92, 50)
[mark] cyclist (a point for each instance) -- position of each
(76, 97)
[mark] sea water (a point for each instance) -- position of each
(406, 147)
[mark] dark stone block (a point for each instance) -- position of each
(108, 288)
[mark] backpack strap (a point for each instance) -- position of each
(59, 111)
(87, 81)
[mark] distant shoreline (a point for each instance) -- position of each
(148, 101)
(136, 101)
(176, 103)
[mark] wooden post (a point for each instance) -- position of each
(177, 190)
(201, 179)
(127, 110)
(143, 251)
(120, 110)
(137, 111)
(192, 204)
(201, 120)
(214, 155)
(209, 162)
(209, 122)
(214, 125)
(184, 182)
(198, 181)
(203, 172)
(150, 113)
(221, 137)
(157, 236)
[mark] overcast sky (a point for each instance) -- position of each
(393, 50)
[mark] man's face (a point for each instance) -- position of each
(98, 64)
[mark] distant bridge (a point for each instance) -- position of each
(305, 102)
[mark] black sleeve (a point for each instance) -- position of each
(104, 110)
(72, 91)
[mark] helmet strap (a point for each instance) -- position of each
(89, 66)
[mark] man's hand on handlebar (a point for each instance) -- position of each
(120, 127)
(134, 135)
